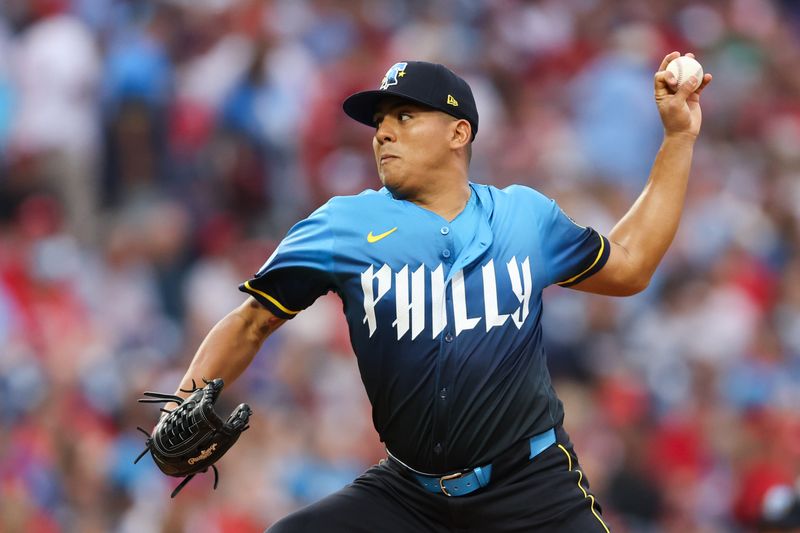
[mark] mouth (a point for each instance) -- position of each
(387, 157)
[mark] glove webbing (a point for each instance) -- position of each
(179, 425)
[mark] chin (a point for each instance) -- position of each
(387, 178)
(392, 184)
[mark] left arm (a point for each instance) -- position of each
(641, 238)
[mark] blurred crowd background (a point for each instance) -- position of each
(152, 153)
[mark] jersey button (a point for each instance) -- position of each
(443, 393)
(445, 253)
(448, 337)
(438, 448)
(445, 230)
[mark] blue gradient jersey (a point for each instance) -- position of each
(444, 317)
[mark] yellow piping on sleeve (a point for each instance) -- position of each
(596, 259)
(275, 302)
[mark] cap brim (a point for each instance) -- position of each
(361, 106)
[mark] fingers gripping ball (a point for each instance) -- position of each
(192, 437)
(683, 67)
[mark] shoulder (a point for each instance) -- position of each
(342, 215)
(513, 195)
(351, 206)
(525, 193)
(367, 199)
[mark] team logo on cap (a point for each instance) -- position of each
(397, 71)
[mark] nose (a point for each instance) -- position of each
(385, 132)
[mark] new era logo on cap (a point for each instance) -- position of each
(429, 84)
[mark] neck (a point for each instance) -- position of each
(447, 201)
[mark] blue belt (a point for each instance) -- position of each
(462, 483)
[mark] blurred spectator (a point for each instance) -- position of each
(56, 69)
(780, 510)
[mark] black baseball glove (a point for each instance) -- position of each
(192, 437)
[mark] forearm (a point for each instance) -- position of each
(231, 345)
(648, 228)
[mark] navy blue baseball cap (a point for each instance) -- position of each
(429, 84)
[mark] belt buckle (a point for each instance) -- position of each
(446, 478)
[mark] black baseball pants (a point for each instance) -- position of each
(549, 494)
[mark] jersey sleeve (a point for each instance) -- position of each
(299, 271)
(571, 252)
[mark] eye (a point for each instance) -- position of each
(404, 116)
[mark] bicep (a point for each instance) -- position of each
(260, 322)
(617, 277)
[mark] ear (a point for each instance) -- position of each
(461, 133)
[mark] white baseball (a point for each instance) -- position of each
(684, 66)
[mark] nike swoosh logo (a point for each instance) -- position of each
(375, 238)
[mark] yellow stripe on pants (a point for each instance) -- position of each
(585, 494)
